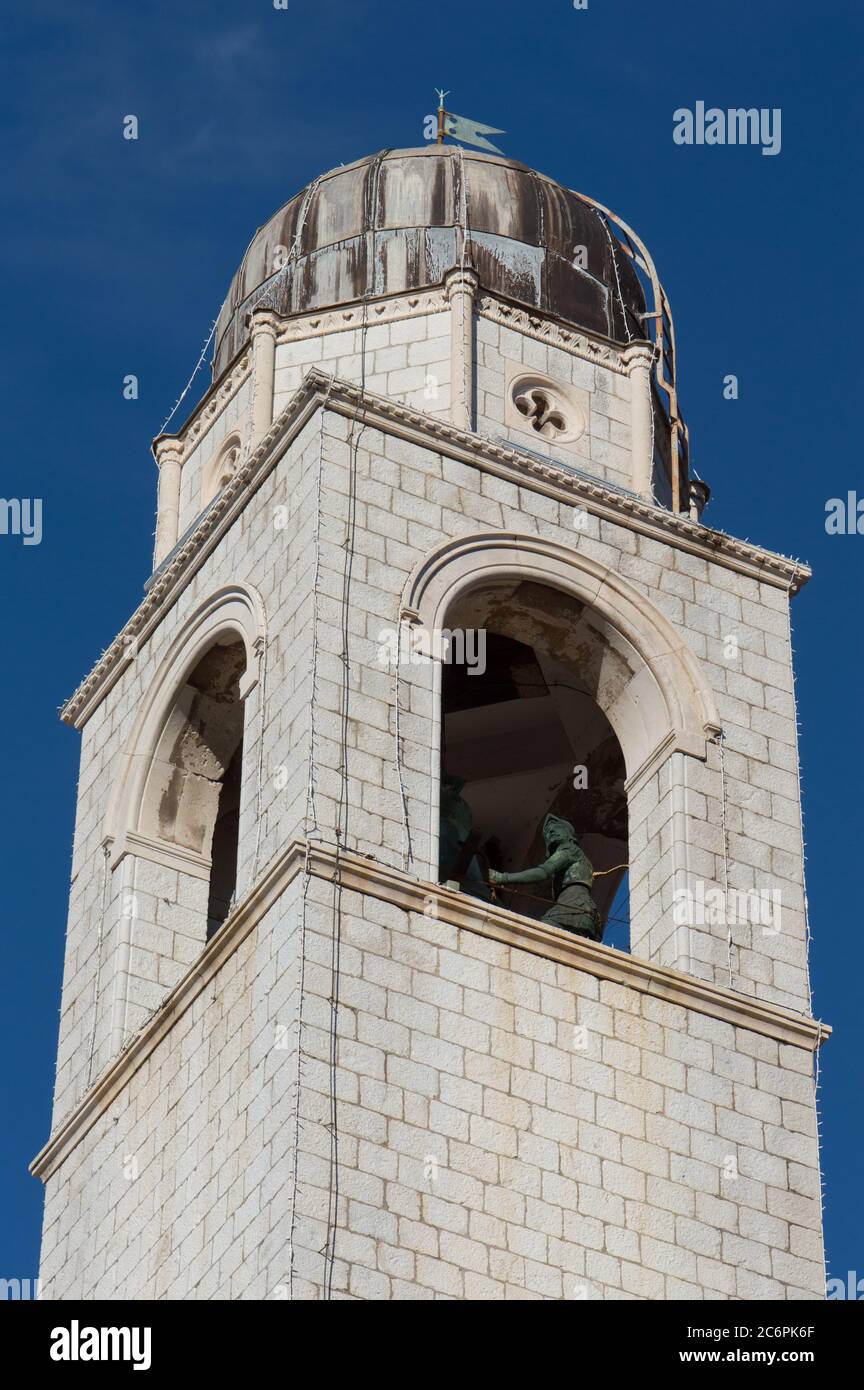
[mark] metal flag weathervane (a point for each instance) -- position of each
(464, 129)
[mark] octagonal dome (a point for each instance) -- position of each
(393, 222)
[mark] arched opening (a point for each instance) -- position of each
(623, 655)
(525, 735)
(191, 796)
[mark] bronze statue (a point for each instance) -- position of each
(455, 823)
(572, 875)
(459, 840)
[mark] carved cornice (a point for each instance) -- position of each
(359, 874)
(426, 431)
(558, 481)
(316, 323)
(601, 351)
(189, 557)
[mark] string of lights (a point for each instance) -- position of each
(464, 388)
(721, 741)
(343, 807)
(259, 790)
(407, 853)
(611, 241)
(310, 828)
(106, 853)
(266, 289)
(187, 388)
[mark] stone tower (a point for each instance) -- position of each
(433, 524)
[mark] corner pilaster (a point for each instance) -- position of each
(639, 359)
(460, 289)
(169, 457)
(264, 328)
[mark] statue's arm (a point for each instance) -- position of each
(548, 869)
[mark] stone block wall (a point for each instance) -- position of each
(182, 1187)
(132, 930)
(604, 449)
(511, 1127)
(405, 359)
(507, 1127)
(410, 500)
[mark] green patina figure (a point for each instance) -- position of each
(572, 876)
(459, 840)
(455, 824)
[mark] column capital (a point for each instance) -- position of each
(264, 328)
(264, 321)
(638, 354)
(167, 449)
(168, 452)
(459, 281)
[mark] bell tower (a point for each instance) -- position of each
(431, 566)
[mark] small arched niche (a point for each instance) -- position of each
(191, 795)
(221, 468)
(526, 733)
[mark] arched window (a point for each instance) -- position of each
(191, 797)
(175, 814)
(524, 736)
(176, 800)
(587, 705)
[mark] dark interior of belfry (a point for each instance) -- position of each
(524, 737)
(217, 678)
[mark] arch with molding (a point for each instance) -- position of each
(667, 706)
(233, 610)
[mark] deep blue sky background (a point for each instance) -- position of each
(116, 256)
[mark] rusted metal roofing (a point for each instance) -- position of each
(399, 220)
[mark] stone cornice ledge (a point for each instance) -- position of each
(362, 875)
(525, 470)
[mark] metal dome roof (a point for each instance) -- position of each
(400, 220)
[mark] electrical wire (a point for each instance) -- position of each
(407, 852)
(310, 826)
(617, 277)
(343, 807)
(259, 815)
(166, 422)
(721, 741)
(98, 977)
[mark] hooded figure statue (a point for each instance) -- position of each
(456, 824)
(571, 875)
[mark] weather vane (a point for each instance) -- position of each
(463, 128)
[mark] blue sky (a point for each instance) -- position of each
(116, 255)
